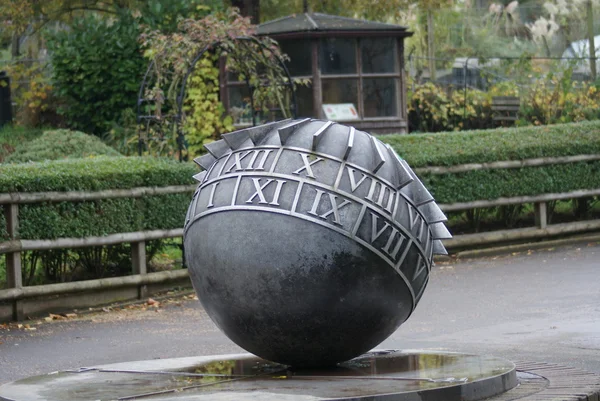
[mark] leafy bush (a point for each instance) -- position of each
(60, 144)
(31, 91)
(11, 137)
(452, 148)
(455, 148)
(496, 183)
(432, 109)
(97, 69)
(205, 119)
(93, 218)
(94, 174)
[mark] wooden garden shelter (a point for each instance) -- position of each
(356, 69)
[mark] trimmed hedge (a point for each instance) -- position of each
(60, 144)
(94, 174)
(12, 136)
(453, 148)
(80, 219)
(492, 184)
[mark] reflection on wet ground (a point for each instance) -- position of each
(373, 374)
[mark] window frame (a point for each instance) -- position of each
(317, 77)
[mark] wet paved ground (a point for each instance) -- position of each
(541, 306)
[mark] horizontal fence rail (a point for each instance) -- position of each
(12, 249)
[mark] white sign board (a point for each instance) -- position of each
(340, 111)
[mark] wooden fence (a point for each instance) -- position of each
(140, 278)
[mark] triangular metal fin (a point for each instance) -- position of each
(287, 131)
(350, 143)
(432, 213)
(378, 157)
(218, 148)
(404, 176)
(319, 134)
(200, 176)
(439, 248)
(205, 161)
(236, 139)
(439, 231)
(258, 134)
(420, 194)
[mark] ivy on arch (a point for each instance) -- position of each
(184, 76)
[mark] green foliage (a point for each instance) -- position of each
(497, 183)
(255, 61)
(97, 69)
(452, 148)
(164, 15)
(456, 148)
(205, 115)
(94, 174)
(80, 219)
(60, 144)
(431, 109)
(31, 91)
(12, 136)
(93, 218)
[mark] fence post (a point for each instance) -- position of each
(138, 260)
(541, 214)
(14, 276)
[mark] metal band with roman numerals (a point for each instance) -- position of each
(339, 178)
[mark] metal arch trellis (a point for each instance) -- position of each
(176, 119)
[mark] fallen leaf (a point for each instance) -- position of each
(71, 315)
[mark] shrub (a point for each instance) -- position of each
(452, 148)
(60, 144)
(205, 119)
(97, 70)
(11, 137)
(455, 148)
(93, 218)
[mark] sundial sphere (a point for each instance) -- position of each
(309, 242)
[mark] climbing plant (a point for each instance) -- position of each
(186, 61)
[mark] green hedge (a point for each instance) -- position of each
(452, 148)
(492, 184)
(60, 144)
(79, 219)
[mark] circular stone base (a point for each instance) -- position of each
(386, 375)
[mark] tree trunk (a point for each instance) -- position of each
(15, 50)
(590, 34)
(248, 8)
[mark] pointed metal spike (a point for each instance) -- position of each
(378, 157)
(350, 143)
(236, 139)
(218, 148)
(319, 134)
(286, 131)
(432, 213)
(200, 176)
(404, 176)
(439, 248)
(439, 231)
(420, 194)
(205, 161)
(257, 134)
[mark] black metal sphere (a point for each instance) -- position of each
(309, 242)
